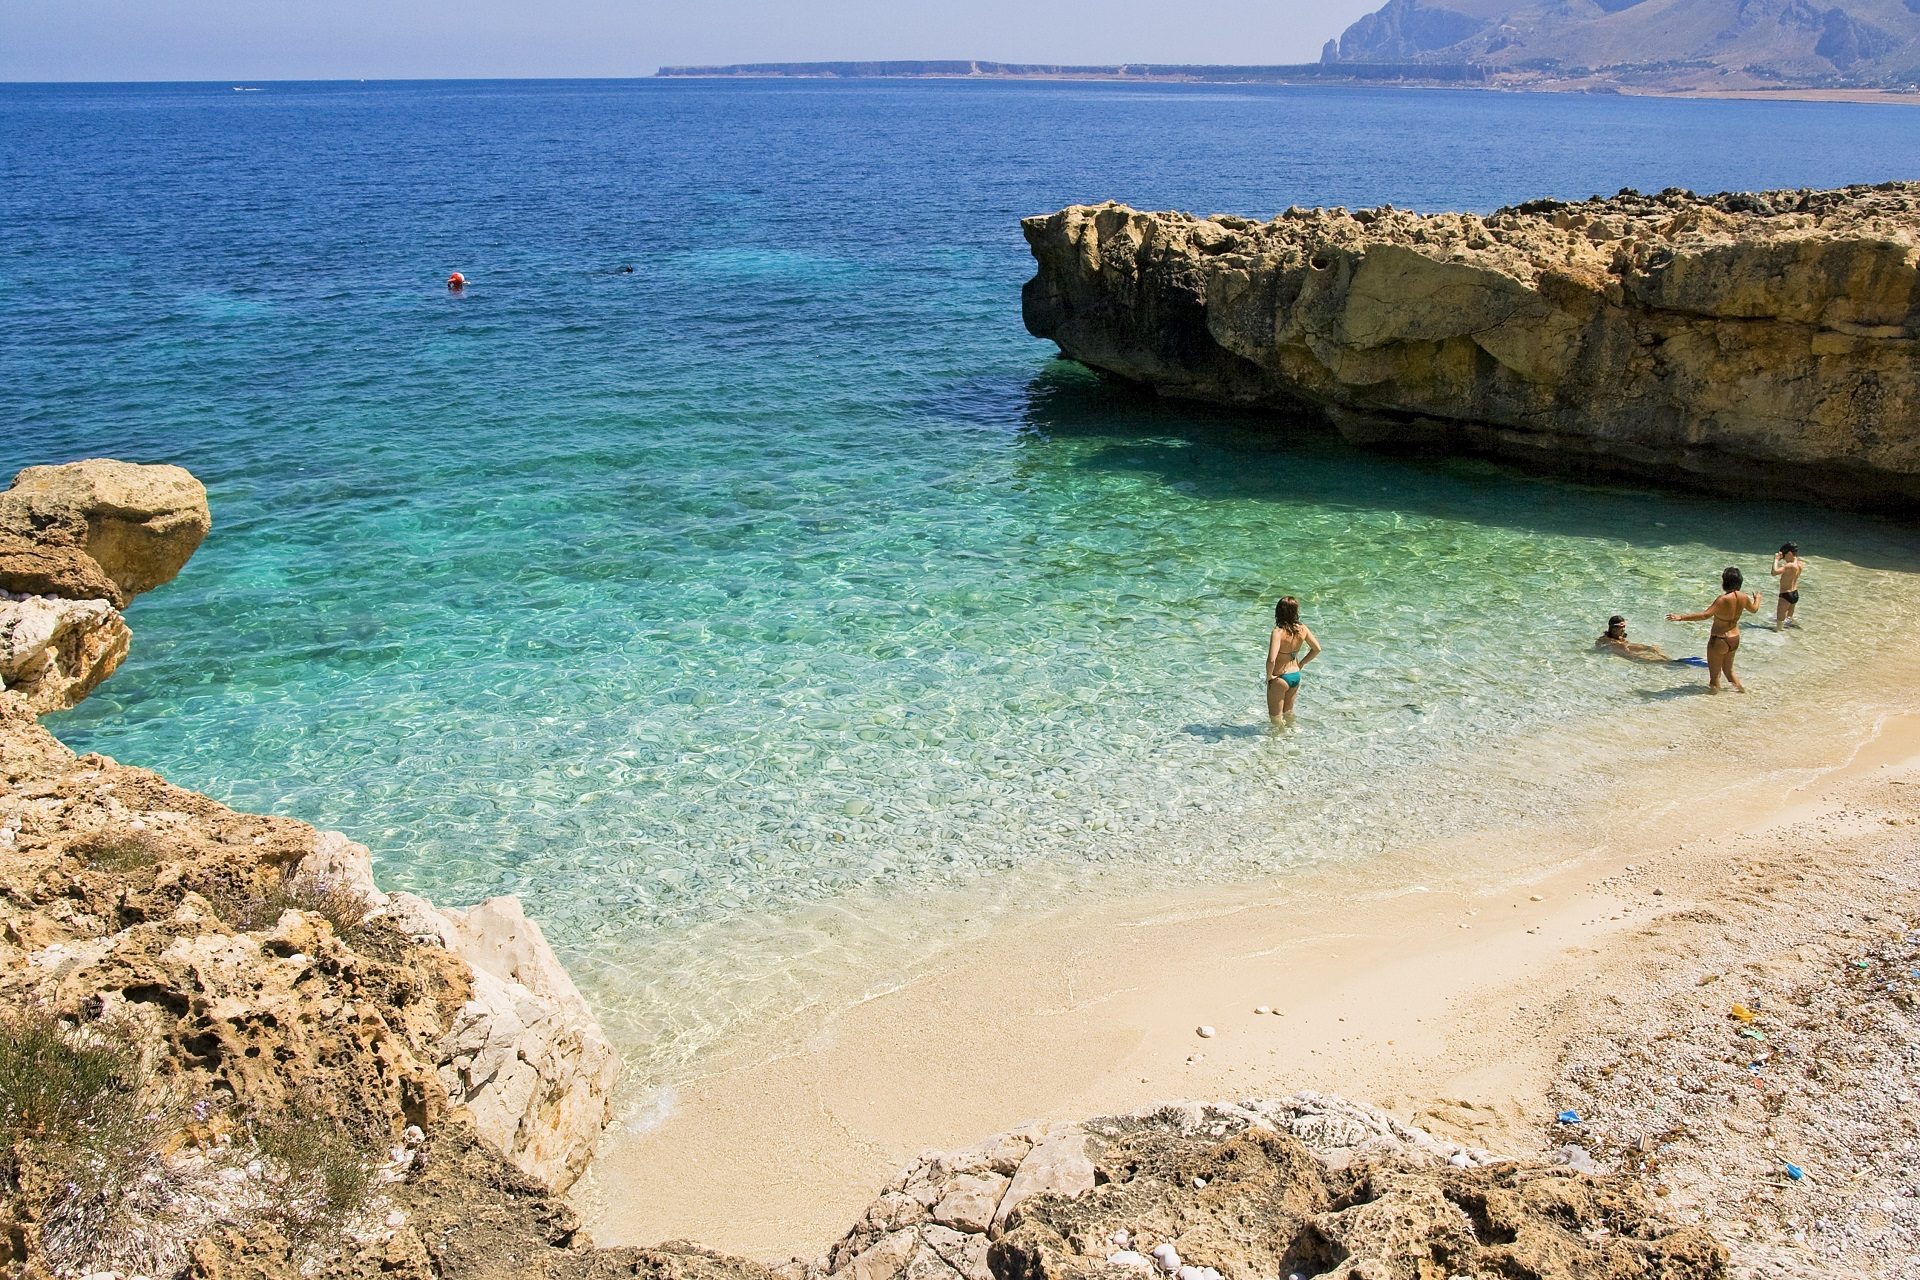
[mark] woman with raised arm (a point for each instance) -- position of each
(1284, 660)
(1723, 641)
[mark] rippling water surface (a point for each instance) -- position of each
(729, 548)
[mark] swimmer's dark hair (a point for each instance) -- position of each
(1730, 579)
(1789, 548)
(1614, 622)
(1286, 613)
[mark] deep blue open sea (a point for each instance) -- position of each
(729, 549)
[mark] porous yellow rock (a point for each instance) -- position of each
(1765, 343)
(139, 524)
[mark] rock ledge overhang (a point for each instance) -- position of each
(1753, 342)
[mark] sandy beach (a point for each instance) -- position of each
(1460, 982)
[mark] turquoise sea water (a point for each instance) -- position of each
(785, 567)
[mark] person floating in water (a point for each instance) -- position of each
(1723, 641)
(1787, 566)
(1615, 641)
(1284, 663)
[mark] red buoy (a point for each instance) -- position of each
(456, 282)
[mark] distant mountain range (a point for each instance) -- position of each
(1666, 44)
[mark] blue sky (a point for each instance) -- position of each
(329, 39)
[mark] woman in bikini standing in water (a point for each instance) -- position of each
(1284, 663)
(1724, 639)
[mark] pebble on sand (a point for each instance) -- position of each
(1203, 1031)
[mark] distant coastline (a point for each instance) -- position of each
(1195, 73)
(1387, 74)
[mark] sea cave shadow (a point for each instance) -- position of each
(1223, 454)
(1222, 732)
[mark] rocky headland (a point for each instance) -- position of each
(1710, 45)
(225, 1052)
(1754, 343)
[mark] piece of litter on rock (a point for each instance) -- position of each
(1199, 1184)
(1128, 1258)
(1795, 1172)
(1568, 1117)
(1741, 1012)
(1204, 1032)
(1576, 1158)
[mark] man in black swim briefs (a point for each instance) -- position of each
(1787, 566)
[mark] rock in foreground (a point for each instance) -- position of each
(1756, 343)
(1309, 1186)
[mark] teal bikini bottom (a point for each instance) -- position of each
(1292, 678)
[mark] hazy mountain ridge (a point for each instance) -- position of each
(1703, 44)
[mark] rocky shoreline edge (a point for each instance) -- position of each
(225, 1052)
(1759, 343)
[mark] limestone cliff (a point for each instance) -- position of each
(259, 979)
(1757, 343)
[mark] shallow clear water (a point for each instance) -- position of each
(689, 600)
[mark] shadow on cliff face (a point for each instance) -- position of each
(1218, 454)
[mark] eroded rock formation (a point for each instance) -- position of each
(77, 542)
(257, 966)
(117, 528)
(1761, 343)
(1309, 1186)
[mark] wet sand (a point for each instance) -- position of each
(1443, 981)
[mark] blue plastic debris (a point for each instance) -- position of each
(1795, 1172)
(1569, 1117)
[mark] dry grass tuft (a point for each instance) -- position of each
(120, 851)
(85, 1124)
(343, 906)
(319, 1172)
(93, 1152)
